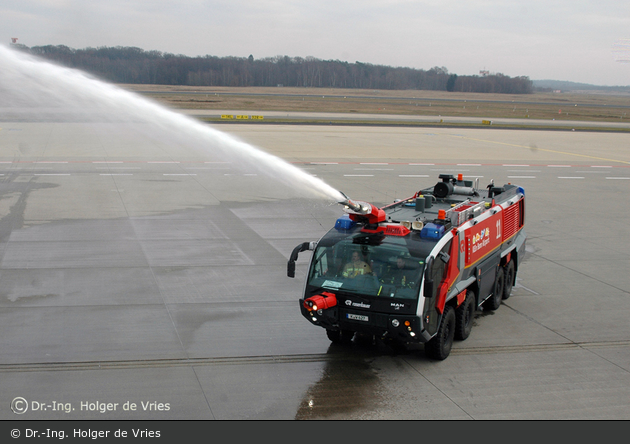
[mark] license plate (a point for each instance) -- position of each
(356, 317)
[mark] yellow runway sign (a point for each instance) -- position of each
(240, 117)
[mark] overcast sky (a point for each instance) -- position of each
(575, 40)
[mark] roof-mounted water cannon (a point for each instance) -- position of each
(350, 205)
(362, 211)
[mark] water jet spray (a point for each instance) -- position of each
(33, 89)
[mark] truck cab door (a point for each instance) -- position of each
(434, 279)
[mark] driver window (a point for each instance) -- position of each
(321, 267)
(439, 266)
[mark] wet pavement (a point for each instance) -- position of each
(139, 286)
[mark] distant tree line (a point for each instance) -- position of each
(135, 65)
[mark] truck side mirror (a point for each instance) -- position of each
(291, 269)
(294, 255)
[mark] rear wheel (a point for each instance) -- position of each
(509, 279)
(439, 347)
(464, 315)
(494, 301)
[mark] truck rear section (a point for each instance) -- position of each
(416, 270)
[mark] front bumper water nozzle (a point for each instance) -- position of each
(355, 207)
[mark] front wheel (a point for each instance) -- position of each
(339, 336)
(439, 347)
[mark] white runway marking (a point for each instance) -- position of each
(523, 171)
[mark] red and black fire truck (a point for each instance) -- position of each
(416, 270)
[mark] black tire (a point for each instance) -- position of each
(494, 301)
(509, 279)
(439, 347)
(339, 336)
(464, 316)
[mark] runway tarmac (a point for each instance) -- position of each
(136, 284)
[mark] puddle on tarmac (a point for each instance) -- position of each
(348, 387)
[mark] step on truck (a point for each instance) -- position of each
(416, 270)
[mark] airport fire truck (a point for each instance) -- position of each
(416, 270)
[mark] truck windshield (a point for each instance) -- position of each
(386, 270)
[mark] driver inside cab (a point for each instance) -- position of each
(398, 275)
(356, 267)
